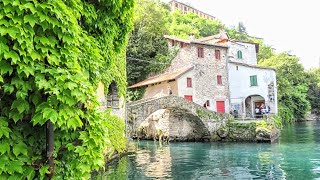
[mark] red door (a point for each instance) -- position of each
(220, 106)
(188, 97)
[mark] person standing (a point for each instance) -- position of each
(169, 90)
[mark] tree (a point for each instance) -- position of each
(52, 56)
(313, 77)
(182, 25)
(147, 50)
(291, 85)
(241, 28)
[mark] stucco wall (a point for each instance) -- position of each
(160, 90)
(240, 87)
(182, 84)
(249, 55)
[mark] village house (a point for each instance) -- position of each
(185, 8)
(252, 88)
(198, 73)
(219, 74)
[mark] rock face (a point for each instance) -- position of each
(312, 117)
(242, 131)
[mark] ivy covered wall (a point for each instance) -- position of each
(53, 53)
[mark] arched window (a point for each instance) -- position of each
(112, 96)
(239, 54)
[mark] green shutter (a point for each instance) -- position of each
(239, 54)
(253, 80)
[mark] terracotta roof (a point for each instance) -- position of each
(177, 39)
(162, 77)
(219, 37)
(196, 41)
(253, 66)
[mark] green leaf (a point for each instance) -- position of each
(21, 94)
(13, 55)
(74, 122)
(30, 173)
(4, 147)
(8, 88)
(1, 79)
(5, 67)
(21, 105)
(35, 55)
(38, 119)
(20, 148)
(31, 7)
(43, 171)
(15, 115)
(5, 132)
(4, 160)
(49, 113)
(14, 167)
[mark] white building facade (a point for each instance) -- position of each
(252, 87)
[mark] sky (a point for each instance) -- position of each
(286, 25)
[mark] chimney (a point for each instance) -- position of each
(191, 37)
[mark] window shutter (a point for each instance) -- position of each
(189, 82)
(217, 54)
(219, 80)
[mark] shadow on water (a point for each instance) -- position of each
(295, 156)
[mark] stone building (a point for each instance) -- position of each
(185, 8)
(198, 73)
(251, 86)
(218, 73)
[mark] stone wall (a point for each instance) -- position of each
(187, 120)
(205, 76)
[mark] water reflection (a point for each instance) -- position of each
(295, 156)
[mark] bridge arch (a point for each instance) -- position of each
(199, 121)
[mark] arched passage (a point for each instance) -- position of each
(173, 124)
(253, 106)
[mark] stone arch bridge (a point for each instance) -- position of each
(179, 119)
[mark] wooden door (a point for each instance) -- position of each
(188, 97)
(220, 106)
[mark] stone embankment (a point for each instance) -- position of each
(247, 131)
(173, 118)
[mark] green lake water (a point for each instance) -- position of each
(295, 156)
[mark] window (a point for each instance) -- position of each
(219, 80)
(181, 44)
(172, 42)
(208, 103)
(176, 4)
(253, 80)
(237, 68)
(188, 97)
(189, 82)
(200, 52)
(217, 54)
(185, 8)
(239, 54)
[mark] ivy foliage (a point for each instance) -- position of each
(53, 53)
